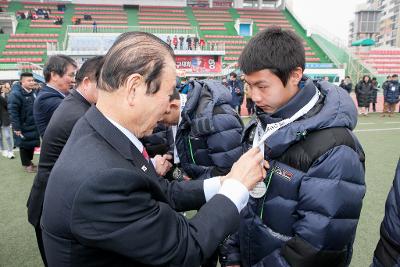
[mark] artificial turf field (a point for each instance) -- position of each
(380, 138)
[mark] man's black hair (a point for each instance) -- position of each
(280, 51)
(90, 68)
(25, 74)
(233, 74)
(395, 76)
(175, 95)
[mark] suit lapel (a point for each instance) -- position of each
(118, 141)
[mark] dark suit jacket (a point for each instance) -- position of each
(73, 107)
(105, 206)
(45, 104)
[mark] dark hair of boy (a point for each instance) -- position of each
(280, 51)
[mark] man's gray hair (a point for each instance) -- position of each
(134, 52)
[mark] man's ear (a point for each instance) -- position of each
(85, 83)
(174, 104)
(133, 86)
(54, 75)
(295, 76)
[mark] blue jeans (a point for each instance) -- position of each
(5, 133)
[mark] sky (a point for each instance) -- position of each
(333, 16)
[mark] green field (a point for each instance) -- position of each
(380, 138)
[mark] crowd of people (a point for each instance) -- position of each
(113, 179)
(366, 91)
(39, 13)
(188, 43)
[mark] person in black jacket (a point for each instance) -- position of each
(346, 84)
(363, 94)
(5, 123)
(374, 93)
(71, 109)
(59, 74)
(387, 252)
(20, 107)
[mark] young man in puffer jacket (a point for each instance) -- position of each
(387, 252)
(306, 211)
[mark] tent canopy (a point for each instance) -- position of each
(363, 42)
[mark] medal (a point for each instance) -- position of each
(259, 190)
(261, 136)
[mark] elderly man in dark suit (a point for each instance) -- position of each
(59, 74)
(104, 203)
(71, 109)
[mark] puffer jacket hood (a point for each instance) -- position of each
(215, 92)
(208, 142)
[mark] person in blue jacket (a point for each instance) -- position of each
(387, 252)
(391, 95)
(237, 91)
(306, 211)
(207, 131)
(59, 74)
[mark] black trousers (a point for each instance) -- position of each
(39, 239)
(26, 156)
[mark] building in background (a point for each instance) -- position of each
(378, 20)
(365, 24)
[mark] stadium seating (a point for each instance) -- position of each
(215, 25)
(384, 61)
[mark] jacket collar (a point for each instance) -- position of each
(306, 92)
(47, 88)
(75, 94)
(119, 141)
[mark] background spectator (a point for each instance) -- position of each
(363, 94)
(374, 93)
(20, 106)
(391, 93)
(346, 84)
(236, 88)
(6, 140)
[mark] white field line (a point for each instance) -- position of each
(376, 130)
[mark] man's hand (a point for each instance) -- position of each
(162, 164)
(249, 169)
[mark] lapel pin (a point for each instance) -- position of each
(144, 168)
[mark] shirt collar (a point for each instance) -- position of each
(48, 85)
(128, 134)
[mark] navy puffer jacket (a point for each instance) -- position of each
(310, 212)
(20, 107)
(208, 138)
(391, 92)
(387, 252)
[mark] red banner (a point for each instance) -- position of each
(199, 64)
